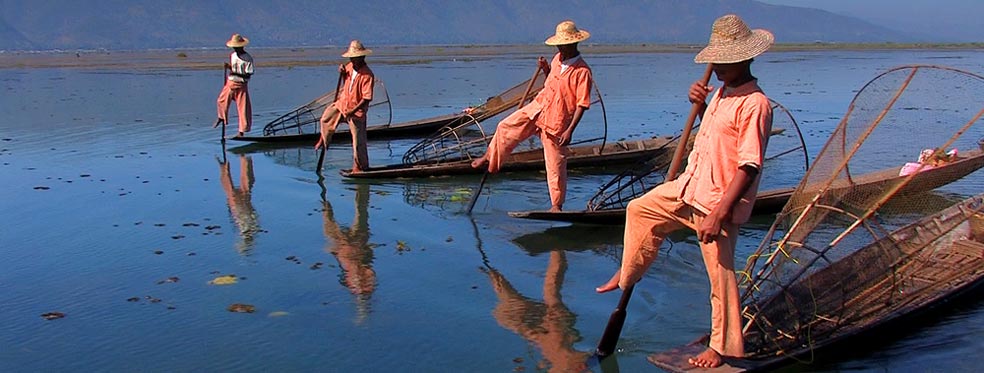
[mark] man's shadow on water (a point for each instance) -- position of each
(351, 248)
(547, 324)
(239, 199)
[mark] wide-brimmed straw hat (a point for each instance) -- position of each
(237, 41)
(567, 33)
(356, 49)
(732, 41)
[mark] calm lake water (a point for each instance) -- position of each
(118, 211)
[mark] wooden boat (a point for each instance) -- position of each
(894, 279)
(580, 156)
(850, 255)
(786, 151)
(767, 202)
(456, 160)
(376, 132)
(772, 201)
(301, 124)
(451, 150)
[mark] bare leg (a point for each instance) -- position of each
(707, 359)
(612, 284)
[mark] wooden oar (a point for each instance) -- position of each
(609, 339)
(485, 176)
(325, 140)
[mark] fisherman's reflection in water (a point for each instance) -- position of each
(352, 250)
(548, 324)
(240, 202)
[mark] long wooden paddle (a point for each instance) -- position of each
(609, 339)
(325, 140)
(485, 176)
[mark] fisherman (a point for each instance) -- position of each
(240, 68)
(554, 113)
(352, 104)
(715, 193)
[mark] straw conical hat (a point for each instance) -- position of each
(567, 33)
(237, 41)
(356, 49)
(732, 41)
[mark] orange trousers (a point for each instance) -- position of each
(654, 215)
(238, 92)
(357, 128)
(518, 127)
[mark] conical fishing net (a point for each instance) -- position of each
(305, 119)
(860, 240)
(469, 139)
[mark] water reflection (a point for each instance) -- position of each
(548, 324)
(240, 201)
(574, 237)
(350, 247)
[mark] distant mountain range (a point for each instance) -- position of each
(143, 24)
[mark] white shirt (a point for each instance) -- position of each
(568, 62)
(240, 65)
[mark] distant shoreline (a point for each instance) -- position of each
(209, 58)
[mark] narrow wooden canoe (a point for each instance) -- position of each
(289, 127)
(383, 131)
(772, 201)
(580, 156)
(767, 202)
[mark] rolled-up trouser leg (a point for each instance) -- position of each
(719, 259)
(240, 93)
(360, 151)
(555, 163)
(648, 219)
(329, 120)
(508, 134)
(222, 103)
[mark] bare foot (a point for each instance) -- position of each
(555, 208)
(707, 359)
(480, 162)
(239, 134)
(612, 284)
(217, 123)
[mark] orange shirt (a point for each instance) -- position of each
(354, 90)
(734, 132)
(562, 92)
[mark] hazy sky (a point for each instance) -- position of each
(959, 20)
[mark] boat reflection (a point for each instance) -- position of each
(351, 248)
(240, 202)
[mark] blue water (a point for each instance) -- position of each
(112, 183)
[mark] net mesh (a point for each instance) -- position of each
(786, 151)
(305, 119)
(857, 242)
(468, 138)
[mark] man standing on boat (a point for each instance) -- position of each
(240, 68)
(715, 194)
(352, 104)
(554, 113)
